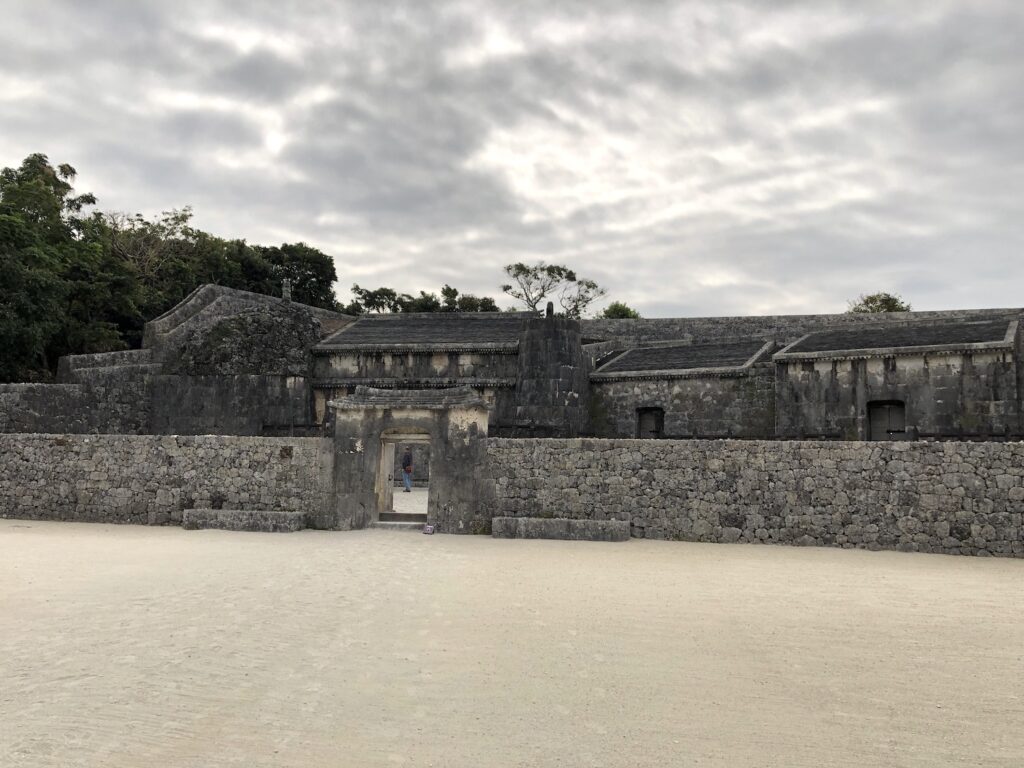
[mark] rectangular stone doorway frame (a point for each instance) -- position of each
(385, 484)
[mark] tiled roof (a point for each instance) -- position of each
(916, 335)
(441, 328)
(684, 357)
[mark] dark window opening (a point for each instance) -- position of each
(887, 420)
(650, 422)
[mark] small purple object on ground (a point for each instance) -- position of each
(428, 529)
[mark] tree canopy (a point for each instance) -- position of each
(878, 302)
(389, 300)
(533, 284)
(619, 310)
(76, 281)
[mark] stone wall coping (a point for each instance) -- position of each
(372, 398)
(731, 371)
(77, 437)
(414, 383)
(1007, 343)
(617, 443)
(323, 350)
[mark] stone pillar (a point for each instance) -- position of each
(553, 385)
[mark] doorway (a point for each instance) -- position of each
(650, 423)
(402, 499)
(887, 420)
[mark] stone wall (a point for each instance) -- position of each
(737, 405)
(208, 305)
(952, 497)
(968, 394)
(150, 479)
(274, 339)
(114, 399)
(232, 405)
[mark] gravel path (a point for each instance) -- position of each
(135, 647)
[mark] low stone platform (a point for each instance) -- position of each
(559, 528)
(267, 521)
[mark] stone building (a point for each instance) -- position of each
(235, 363)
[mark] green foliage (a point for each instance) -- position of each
(878, 302)
(388, 300)
(618, 310)
(78, 283)
(532, 284)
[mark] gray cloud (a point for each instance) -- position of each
(695, 158)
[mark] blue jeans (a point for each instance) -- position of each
(407, 479)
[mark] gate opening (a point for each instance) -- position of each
(404, 479)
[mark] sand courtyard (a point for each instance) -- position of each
(137, 646)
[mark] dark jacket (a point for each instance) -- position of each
(407, 462)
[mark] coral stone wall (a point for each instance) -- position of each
(706, 406)
(151, 479)
(969, 394)
(958, 498)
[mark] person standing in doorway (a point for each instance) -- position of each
(407, 469)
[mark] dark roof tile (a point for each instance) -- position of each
(916, 335)
(684, 357)
(442, 328)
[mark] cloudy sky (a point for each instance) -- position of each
(693, 157)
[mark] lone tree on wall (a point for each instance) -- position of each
(532, 284)
(878, 302)
(619, 310)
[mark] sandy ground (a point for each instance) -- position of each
(133, 646)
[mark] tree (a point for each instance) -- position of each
(311, 271)
(62, 291)
(453, 301)
(618, 310)
(534, 283)
(75, 282)
(878, 302)
(389, 300)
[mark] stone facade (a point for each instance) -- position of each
(150, 479)
(956, 498)
(707, 405)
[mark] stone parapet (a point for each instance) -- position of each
(151, 479)
(955, 498)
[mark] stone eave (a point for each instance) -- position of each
(867, 354)
(379, 383)
(508, 348)
(687, 373)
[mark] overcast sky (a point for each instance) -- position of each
(696, 158)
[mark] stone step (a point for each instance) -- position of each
(265, 520)
(403, 517)
(559, 528)
(391, 526)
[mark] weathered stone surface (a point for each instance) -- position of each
(559, 528)
(267, 521)
(151, 479)
(275, 339)
(958, 498)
